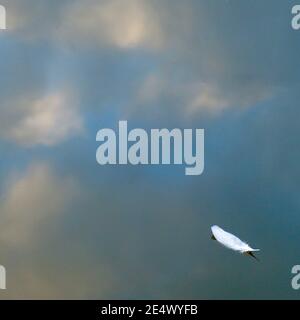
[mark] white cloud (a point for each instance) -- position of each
(33, 206)
(120, 23)
(48, 120)
(209, 98)
(31, 202)
(191, 97)
(214, 99)
(199, 68)
(123, 24)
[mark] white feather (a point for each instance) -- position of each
(230, 241)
